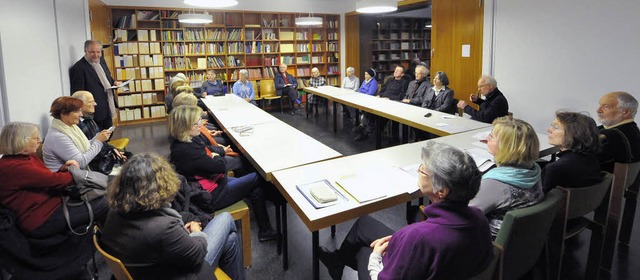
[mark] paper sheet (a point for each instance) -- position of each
(378, 182)
(122, 84)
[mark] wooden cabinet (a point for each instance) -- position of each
(396, 41)
(235, 40)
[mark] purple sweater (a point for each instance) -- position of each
(453, 243)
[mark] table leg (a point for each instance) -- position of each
(405, 134)
(357, 116)
(335, 117)
(333, 231)
(285, 239)
(315, 249)
(279, 230)
(378, 132)
(306, 103)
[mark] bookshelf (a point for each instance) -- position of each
(396, 41)
(138, 54)
(235, 40)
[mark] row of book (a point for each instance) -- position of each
(317, 59)
(272, 61)
(234, 62)
(303, 71)
(123, 74)
(128, 21)
(147, 15)
(173, 49)
(136, 61)
(146, 112)
(142, 85)
(172, 35)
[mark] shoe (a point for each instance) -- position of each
(267, 235)
(331, 260)
(361, 136)
(291, 113)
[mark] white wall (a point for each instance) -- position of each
(39, 39)
(551, 55)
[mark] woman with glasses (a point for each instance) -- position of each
(452, 234)
(197, 162)
(576, 136)
(65, 140)
(515, 182)
(243, 87)
(31, 193)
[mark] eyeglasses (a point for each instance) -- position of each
(481, 86)
(555, 126)
(199, 122)
(491, 138)
(422, 172)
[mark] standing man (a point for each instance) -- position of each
(492, 105)
(90, 73)
(619, 133)
(286, 86)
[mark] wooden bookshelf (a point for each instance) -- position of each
(235, 40)
(396, 41)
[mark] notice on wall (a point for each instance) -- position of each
(466, 50)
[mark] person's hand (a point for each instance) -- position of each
(204, 94)
(406, 100)
(103, 136)
(227, 149)
(205, 122)
(380, 245)
(117, 83)
(462, 104)
(193, 226)
(121, 153)
(70, 162)
(215, 133)
(473, 97)
(247, 99)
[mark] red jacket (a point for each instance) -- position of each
(25, 185)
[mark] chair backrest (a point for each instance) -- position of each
(523, 235)
(267, 88)
(581, 201)
(627, 174)
(489, 272)
(118, 269)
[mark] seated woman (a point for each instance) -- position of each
(32, 193)
(243, 87)
(350, 82)
(515, 182)
(439, 97)
(369, 84)
(576, 135)
(193, 159)
(211, 139)
(316, 81)
(150, 238)
(453, 233)
(212, 86)
(65, 140)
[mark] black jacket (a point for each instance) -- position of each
(83, 77)
(493, 107)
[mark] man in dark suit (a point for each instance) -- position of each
(619, 133)
(90, 73)
(494, 105)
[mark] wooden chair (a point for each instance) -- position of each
(240, 211)
(523, 235)
(571, 219)
(120, 271)
(489, 273)
(268, 92)
(120, 143)
(625, 184)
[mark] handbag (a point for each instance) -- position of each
(89, 185)
(105, 161)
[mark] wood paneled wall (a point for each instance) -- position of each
(352, 43)
(454, 24)
(100, 24)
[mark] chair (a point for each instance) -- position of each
(625, 183)
(240, 211)
(268, 92)
(120, 143)
(120, 271)
(489, 273)
(523, 235)
(571, 220)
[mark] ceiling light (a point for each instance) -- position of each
(211, 3)
(309, 20)
(195, 18)
(376, 6)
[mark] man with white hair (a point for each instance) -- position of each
(493, 104)
(243, 88)
(619, 133)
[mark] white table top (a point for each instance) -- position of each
(231, 111)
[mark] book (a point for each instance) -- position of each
(307, 188)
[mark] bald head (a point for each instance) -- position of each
(89, 106)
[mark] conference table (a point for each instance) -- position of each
(435, 122)
(381, 162)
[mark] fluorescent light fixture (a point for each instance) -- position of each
(309, 21)
(211, 3)
(376, 6)
(195, 18)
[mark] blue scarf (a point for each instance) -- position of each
(518, 177)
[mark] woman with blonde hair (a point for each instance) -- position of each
(150, 237)
(515, 182)
(198, 162)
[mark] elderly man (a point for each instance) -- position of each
(493, 104)
(243, 88)
(286, 85)
(418, 87)
(619, 132)
(90, 73)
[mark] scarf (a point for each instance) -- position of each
(518, 177)
(105, 83)
(74, 132)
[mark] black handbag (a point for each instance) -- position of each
(89, 185)
(105, 161)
